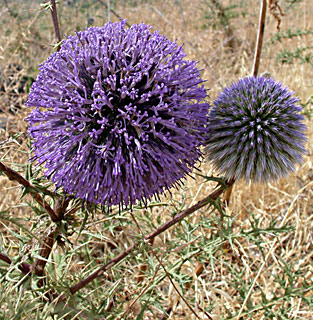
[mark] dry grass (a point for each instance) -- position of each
(256, 246)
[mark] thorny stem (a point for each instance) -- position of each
(38, 267)
(28, 269)
(56, 215)
(44, 253)
(259, 42)
(55, 22)
(213, 196)
(24, 267)
(166, 272)
(40, 263)
(13, 175)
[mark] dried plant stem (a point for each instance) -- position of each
(55, 22)
(109, 10)
(143, 290)
(179, 217)
(26, 268)
(13, 175)
(174, 286)
(114, 12)
(259, 42)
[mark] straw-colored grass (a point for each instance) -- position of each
(266, 243)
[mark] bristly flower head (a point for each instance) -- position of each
(255, 131)
(118, 114)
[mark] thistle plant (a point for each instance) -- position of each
(119, 114)
(256, 131)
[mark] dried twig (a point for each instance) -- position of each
(255, 69)
(274, 7)
(174, 286)
(113, 11)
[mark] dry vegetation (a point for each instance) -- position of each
(266, 242)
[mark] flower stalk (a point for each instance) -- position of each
(56, 25)
(259, 41)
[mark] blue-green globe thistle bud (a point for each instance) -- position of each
(256, 131)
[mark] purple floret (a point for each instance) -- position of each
(119, 114)
(256, 131)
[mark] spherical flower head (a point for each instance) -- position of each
(119, 114)
(255, 131)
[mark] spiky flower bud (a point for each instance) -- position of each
(118, 114)
(255, 131)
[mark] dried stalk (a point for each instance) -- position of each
(259, 42)
(114, 12)
(55, 22)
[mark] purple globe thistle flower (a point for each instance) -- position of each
(119, 114)
(255, 131)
